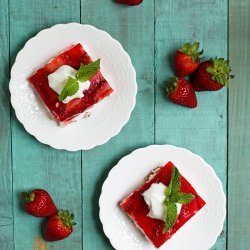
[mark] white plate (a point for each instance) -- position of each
(199, 233)
(107, 117)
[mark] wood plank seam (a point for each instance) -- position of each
(155, 76)
(202, 130)
(239, 127)
(6, 197)
(11, 117)
(227, 196)
(138, 41)
(80, 19)
(54, 170)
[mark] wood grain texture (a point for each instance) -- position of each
(239, 127)
(6, 217)
(36, 165)
(134, 28)
(202, 130)
(75, 179)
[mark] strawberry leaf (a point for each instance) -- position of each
(220, 71)
(192, 51)
(210, 70)
(195, 47)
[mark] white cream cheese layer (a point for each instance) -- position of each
(59, 78)
(154, 198)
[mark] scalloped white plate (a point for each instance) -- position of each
(107, 117)
(199, 233)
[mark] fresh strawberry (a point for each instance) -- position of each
(180, 91)
(129, 2)
(39, 203)
(187, 59)
(59, 226)
(212, 75)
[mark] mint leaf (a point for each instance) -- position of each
(166, 201)
(185, 198)
(85, 72)
(175, 197)
(174, 185)
(70, 88)
(171, 216)
(168, 190)
(175, 181)
(181, 198)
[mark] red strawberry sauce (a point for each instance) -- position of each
(65, 112)
(135, 206)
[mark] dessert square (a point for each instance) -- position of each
(138, 210)
(65, 113)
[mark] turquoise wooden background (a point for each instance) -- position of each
(218, 130)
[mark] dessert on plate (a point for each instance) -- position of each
(163, 204)
(70, 84)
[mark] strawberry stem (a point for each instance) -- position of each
(66, 218)
(192, 51)
(28, 197)
(220, 71)
(172, 85)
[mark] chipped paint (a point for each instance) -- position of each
(39, 244)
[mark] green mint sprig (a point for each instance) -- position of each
(70, 88)
(83, 74)
(173, 196)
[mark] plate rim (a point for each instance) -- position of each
(55, 145)
(211, 169)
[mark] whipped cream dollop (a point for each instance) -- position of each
(59, 78)
(154, 198)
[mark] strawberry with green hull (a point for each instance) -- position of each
(39, 203)
(59, 226)
(180, 91)
(129, 2)
(187, 59)
(212, 75)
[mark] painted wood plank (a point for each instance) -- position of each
(134, 28)
(36, 165)
(202, 130)
(239, 127)
(6, 215)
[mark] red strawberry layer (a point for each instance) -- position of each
(135, 206)
(65, 112)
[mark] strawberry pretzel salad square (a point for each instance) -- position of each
(70, 84)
